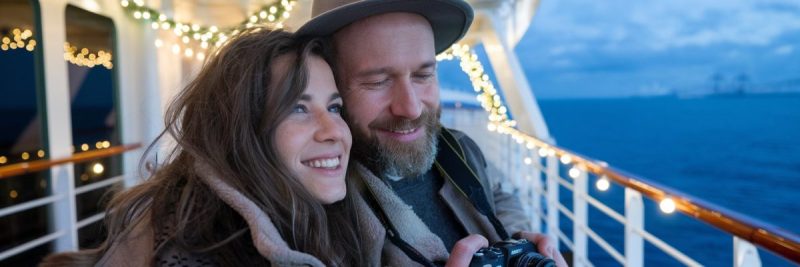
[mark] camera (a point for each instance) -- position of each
(511, 252)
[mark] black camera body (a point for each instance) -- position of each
(512, 252)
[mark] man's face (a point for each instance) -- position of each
(387, 71)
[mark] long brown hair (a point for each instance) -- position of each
(226, 118)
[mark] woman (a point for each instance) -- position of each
(258, 173)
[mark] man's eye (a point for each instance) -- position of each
(335, 108)
(377, 84)
(299, 109)
(423, 76)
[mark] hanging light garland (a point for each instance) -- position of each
(19, 39)
(39, 154)
(207, 36)
(84, 58)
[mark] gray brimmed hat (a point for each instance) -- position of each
(450, 19)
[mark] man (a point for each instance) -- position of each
(431, 181)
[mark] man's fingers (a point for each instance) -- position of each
(546, 246)
(464, 248)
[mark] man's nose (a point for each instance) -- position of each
(405, 101)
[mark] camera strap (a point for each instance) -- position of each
(450, 161)
(392, 233)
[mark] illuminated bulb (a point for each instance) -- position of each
(262, 14)
(84, 147)
(40, 153)
(165, 25)
(162, 17)
(542, 152)
(3, 160)
(185, 39)
(491, 127)
(574, 172)
(195, 27)
(530, 145)
(159, 43)
(188, 52)
(98, 168)
(273, 9)
(603, 184)
(213, 29)
(13, 194)
(667, 205)
(137, 15)
(176, 49)
(124, 3)
(26, 155)
(154, 25)
(285, 15)
(566, 159)
(528, 161)
(204, 45)
(98, 145)
(146, 15)
(551, 152)
(271, 18)
(106, 144)
(201, 56)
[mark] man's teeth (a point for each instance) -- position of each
(408, 131)
(323, 163)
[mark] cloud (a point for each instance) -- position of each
(659, 25)
(784, 50)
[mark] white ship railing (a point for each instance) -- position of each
(64, 223)
(514, 153)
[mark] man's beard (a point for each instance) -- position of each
(393, 159)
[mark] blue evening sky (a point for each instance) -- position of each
(615, 48)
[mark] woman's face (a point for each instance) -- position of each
(314, 141)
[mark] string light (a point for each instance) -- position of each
(84, 57)
(574, 172)
(273, 15)
(98, 168)
(603, 184)
(667, 205)
(528, 161)
(566, 159)
(3, 160)
(19, 39)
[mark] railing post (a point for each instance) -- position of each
(534, 178)
(552, 198)
(745, 254)
(579, 237)
(56, 83)
(634, 216)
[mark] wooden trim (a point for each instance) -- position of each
(40, 165)
(772, 238)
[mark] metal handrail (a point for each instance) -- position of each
(44, 164)
(767, 236)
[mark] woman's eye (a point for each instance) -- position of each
(335, 108)
(299, 109)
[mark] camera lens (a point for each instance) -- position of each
(532, 259)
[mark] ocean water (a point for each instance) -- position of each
(740, 153)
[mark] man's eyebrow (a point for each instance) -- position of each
(429, 64)
(372, 72)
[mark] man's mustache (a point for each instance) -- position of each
(392, 122)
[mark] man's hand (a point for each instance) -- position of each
(545, 245)
(464, 248)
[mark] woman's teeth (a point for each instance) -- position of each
(323, 163)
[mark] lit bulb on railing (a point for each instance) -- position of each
(574, 172)
(542, 152)
(603, 184)
(98, 168)
(566, 159)
(667, 205)
(528, 161)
